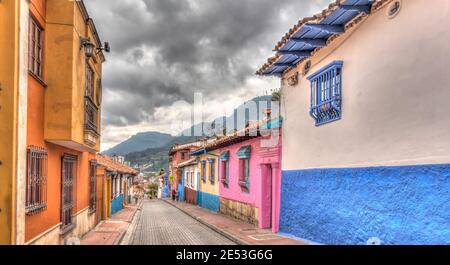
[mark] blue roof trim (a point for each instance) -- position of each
(211, 160)
(203, 162)
(198, 152)
(244, 152)
(315, 35)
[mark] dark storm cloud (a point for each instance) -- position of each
(165, 50)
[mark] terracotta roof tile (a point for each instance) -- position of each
(317, 18)
(112, 165)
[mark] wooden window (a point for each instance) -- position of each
(244, 174)
(92, 185)
(36, 41)
(89, 81)
(326, 91)
(203, 171)
(224, 169)
(212, 170)
(68, 178)
(36, 194)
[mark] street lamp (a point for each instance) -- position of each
(88, 47)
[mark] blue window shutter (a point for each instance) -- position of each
(244, 152)
(225, 156)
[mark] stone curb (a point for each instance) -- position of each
(211, 226)
(129, 221)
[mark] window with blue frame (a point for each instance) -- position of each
(326, 93)
(244, 154)
(225, 168)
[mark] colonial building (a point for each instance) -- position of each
(240, 174)
(117, 179)
(178, 154)
(190, 181)
(14, 17)
(208, 168)
(55, 128)
(365, 107)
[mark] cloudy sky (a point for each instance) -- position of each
(164, 51)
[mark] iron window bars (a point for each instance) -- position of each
(37, 167)
(326, 93)
(68, 178)
(91, 115)
(92, 185)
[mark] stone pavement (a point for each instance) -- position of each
(162, 224)
(111, 231)
(240, 232)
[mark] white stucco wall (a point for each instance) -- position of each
(396, 91)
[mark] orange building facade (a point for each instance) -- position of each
(63, 124)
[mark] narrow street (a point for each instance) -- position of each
(162, 224)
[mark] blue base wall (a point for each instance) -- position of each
(208, 201)
(399, 205)
(117, 204)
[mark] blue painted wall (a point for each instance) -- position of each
(181, 188)
(117, 204)
(208, 201)
(398, 205)
(166, 192)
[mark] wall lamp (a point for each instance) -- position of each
(88, 46)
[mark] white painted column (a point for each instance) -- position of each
(22, 122)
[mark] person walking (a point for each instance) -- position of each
(174, 193)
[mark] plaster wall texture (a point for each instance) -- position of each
(264, 179)
(382, 170)
(395, 96)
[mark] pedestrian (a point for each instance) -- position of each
(174, 193)
(136, 198)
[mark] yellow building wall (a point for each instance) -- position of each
(13, 118)
(208, 187)
(65, 105)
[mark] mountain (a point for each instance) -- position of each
(231, 122)
(154, 159)
(140, 142)
(149, 151)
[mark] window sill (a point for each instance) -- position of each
(92, 211)
(65, 230)
(244, 187)
(37, 78)
(33, 210)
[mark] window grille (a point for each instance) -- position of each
(92, 185)
(68, 178)
(36, 194)
(326, 93)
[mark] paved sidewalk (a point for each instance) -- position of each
(111, 231)
(240, 232)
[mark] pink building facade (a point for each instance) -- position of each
(250, 190)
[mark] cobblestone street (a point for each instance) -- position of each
(162, 224)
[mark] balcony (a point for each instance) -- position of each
(327, 111)
(90, 122)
